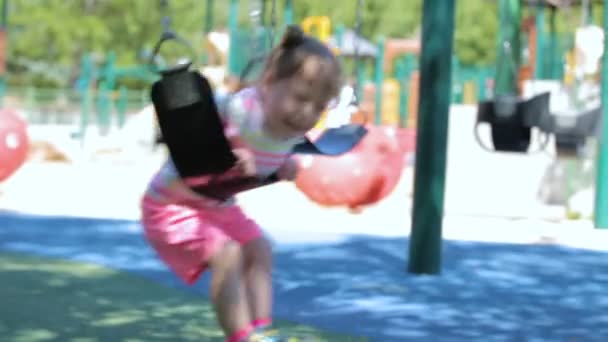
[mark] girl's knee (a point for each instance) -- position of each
(228, 256)
(258, 252)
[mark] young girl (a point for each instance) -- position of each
(192, 233)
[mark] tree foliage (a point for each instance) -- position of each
(47, 39)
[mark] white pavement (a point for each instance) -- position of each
(489, 197)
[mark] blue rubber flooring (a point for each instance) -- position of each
(486, 292)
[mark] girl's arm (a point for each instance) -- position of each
(233, 115)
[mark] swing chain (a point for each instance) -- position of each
(358, 24)
(165, 20)
(255, 11)
(168, 34)
(273, 21)
(261, 55)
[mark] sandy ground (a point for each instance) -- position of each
(488, 196)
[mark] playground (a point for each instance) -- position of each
(496, 237)
(502, 278)
(514, 265)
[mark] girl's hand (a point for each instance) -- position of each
(245, 161)
(289, 170)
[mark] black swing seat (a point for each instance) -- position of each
(190, 123)
(512, 118)
(571, 131)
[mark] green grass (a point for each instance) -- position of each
(53, 300)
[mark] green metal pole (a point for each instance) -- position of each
(3, 54)
(586, 12)
(263, 11)
(404, 72)
(233, 20)
(30, 105)
(340, 39)
(111, 72)
(431, 144)
(102, 107)
(2, 91)
(84, 87)
(208, 26)
(233, 15)
(379, 82)
(555, 57)
(509, 46)
(288, 15)
(540, 40)
(457, 84)
(601, 182)
(401, 76)
(144, 98)
(340, 35)
(209, 16)
(360, 73)
(4, 16)
(85, 113)
(121, 106)
(481, 85)
(104, 92)
(361, 79)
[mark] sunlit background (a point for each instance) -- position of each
(511, 240)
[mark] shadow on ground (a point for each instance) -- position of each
(55, 300)
(489, 292)
(50, 300)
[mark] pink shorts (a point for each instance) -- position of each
(186, 238)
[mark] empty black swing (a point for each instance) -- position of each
(511, 121)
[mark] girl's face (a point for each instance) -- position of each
(293, 106)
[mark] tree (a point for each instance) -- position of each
(48, 38)
(476, 34)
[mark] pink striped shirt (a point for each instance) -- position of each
(243, 116)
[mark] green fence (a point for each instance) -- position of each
(104, 109)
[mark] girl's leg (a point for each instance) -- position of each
(228, 291)
(258, 279)
(257, 262)
(188, 241)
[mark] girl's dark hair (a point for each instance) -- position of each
(287, 59)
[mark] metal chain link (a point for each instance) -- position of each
(165, 19)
